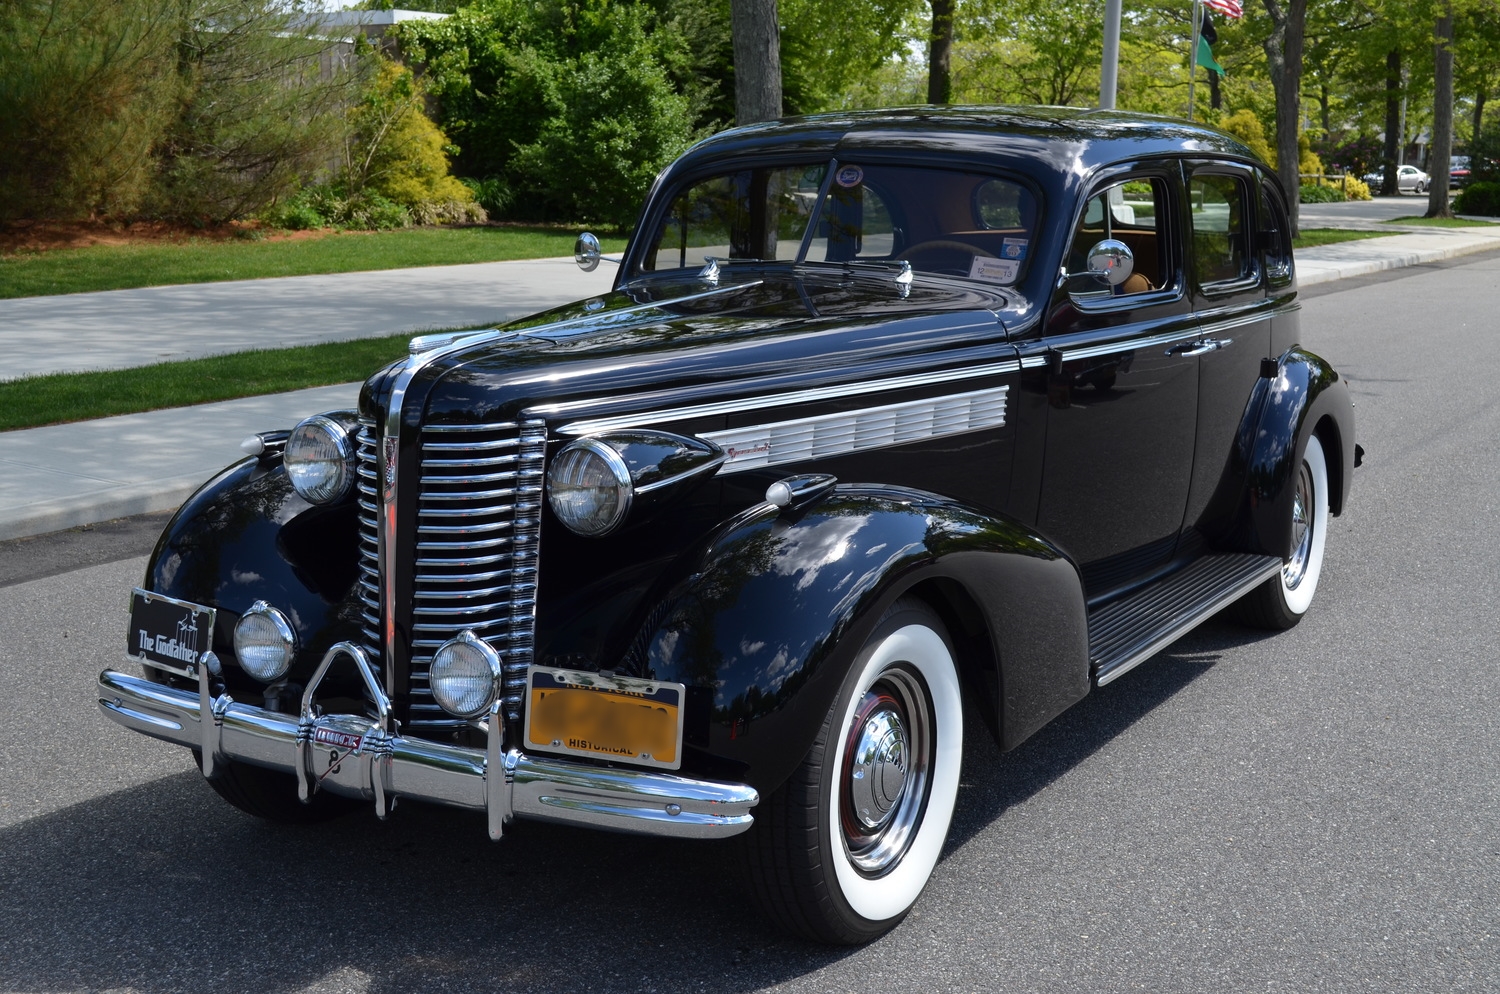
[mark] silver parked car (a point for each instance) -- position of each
(1408, 178)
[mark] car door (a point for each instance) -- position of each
(1229, 228)
(1122, 388)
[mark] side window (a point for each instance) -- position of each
(1128, 212)
(1221, 250)
(1274, 242)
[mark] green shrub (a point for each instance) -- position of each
(572, 105)
(493, 193)
(334, 207)
(1480, 198)
(1313, 193)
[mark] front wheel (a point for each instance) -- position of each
(843, 850)
(1281, 601)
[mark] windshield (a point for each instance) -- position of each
(955, 222)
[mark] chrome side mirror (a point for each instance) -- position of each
(1112, 260)
(586, 252)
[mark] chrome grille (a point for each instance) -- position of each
(478, 523)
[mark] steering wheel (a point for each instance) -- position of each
(941, 245)
(945, 255)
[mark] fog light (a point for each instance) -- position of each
(264, 642)
(465, 676)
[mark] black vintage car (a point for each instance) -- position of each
(886, 413)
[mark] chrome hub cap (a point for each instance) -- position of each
(1302, 533)
(884, 782)
(878, 774)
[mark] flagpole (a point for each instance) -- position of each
(1108, 77)
(1193, 56)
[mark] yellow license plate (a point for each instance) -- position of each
(604, 717)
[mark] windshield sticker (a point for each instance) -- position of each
(848, 176)
(1013, 248)
(994, 270)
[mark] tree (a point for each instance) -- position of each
(939, 51)
(1442, 113)
(262, 108)
(1029, 51)
(757, 60)
(85, 91)
(1284, 55)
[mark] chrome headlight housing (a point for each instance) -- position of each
(589, 487)
(465, 675)
(320, 460)
(264, 642)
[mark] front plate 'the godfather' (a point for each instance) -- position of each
(604, 717)
(168, 633)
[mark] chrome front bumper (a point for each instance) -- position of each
(359, 756)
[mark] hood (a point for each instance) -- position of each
(760, 325)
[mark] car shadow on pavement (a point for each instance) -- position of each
(164, 887)
(994, 782)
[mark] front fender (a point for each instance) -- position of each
(781, 602)
(247, 536)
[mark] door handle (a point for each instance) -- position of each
(1199, 346)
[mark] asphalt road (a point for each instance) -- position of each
(1314, 811)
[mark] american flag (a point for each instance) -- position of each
(1229, 8)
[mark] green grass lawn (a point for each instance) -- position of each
(1438, 222)
(58, 397)
(119, 267)
(1313, 237)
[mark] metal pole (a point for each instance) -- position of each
(1109, 74)
(1193, 55)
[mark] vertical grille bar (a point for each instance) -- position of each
(368, 496)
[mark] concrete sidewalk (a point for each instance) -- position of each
(92, 471)
(120, 329)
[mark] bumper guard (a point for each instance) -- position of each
(361, 756)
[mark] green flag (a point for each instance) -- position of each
(1206, 57)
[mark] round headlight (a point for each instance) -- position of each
(320, 460)
(464, 675)
(264, 642)
(589, 487)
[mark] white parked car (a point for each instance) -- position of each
(1407, 178)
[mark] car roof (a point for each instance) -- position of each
(1069, 137)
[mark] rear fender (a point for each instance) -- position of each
(766, 626)
(1307, 395)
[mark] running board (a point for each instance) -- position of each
(1127, 632)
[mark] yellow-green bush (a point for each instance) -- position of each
(1354, 188)
(397, 152)
(1245, 126)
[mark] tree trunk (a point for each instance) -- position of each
(1284, 53)
(1393, 136)
(757, 60)
(939, 47)
(1479, 99)
(1442, 116)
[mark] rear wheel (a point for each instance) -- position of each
(272, 795)
(843, 850)
(1281, 601)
